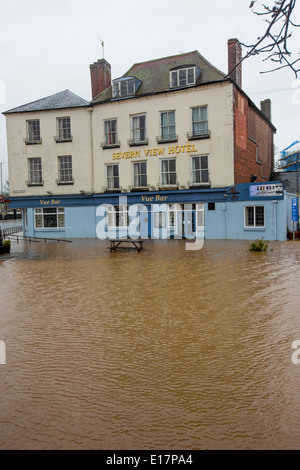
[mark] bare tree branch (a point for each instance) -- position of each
(274, 40)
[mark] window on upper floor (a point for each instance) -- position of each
(184, 76)
(199, 123)
(168, 172)
(35, 172)
(33, 132)
(112, 176)
(138, 130)
(65, 170)
(167, 127)
(110, 134)
(199, 170)
(139, 174)
(125, 86)
(63, 129)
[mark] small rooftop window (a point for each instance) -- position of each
(184, 76)
(125, 86)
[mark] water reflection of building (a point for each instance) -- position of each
(174, 130)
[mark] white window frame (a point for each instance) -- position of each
(174, 208)
(108, 134)
(68, 170)
(167, 126)
(136, 132)
(33, 135)
(119, 86)
(200, 215)
(117, 214)
(25, 215)
(108, 178)
(200, 122)
(63, 129)
(168, 173)
(175, 77)
(254, 226)
(40, 212)
(139, 175)
(193, 171)
(34, 169)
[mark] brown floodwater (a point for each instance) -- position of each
(164, 349)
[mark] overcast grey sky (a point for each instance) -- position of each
(47, 47)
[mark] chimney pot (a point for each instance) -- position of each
(100, 77)
(234, 61)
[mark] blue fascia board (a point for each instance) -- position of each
(240, 192)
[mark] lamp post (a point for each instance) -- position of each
(1, 177)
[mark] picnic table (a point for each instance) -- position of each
(125, 244)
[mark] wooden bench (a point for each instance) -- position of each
(125, 244)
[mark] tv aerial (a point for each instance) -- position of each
(102, 44)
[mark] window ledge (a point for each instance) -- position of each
(111, 190)
(32, 142)
(60, 140)
(28, 183)
(255, 229)
(193, 136)
(60, 183)
(166, 187)
(192, 185)
(138, 188)
(105, 146)
(166, 140)
(137, 143)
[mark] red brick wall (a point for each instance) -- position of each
(252, 132)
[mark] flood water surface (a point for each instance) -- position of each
(164, 349)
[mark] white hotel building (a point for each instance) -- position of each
(174, 130)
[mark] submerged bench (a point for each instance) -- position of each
(125, 244)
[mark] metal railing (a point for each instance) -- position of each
(10, 230)
(40, 239)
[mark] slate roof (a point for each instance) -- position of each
(288, 179)
(155, 74)
(64, 99)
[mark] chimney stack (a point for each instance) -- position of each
(265, 107)
(234, 58)
(100, 77)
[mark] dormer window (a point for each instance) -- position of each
(125, 86)
(184, 76)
